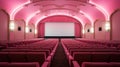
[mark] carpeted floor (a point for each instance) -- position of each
(59, 59)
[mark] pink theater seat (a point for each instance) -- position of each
(115, 57)
(70, 59)
(115, 64)
(14, 64)
(82, 57)
(47, 52)
(75, 64)
(15, 50)
(17, 56)
(26, 50)
(2, 46)
(4, 57)
(36, 57)
(96, 64)
(45, 64)
(93, 50)
(49, 58)
(100, 56)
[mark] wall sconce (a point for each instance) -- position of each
(12, 25)
(27, 29)
(107, 26)
(83, 31)
(35, 31)
(92, 30)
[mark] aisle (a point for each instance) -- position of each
(59, 59)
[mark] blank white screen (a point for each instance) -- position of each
(59, 29)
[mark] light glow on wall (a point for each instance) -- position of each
(100, 8)
(92, 30)
(83, 31)
(17, 9)
(107, 26)
(12, 25)
(27, 29)
(36, 31)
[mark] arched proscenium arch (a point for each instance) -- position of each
(59, 18)
(75, 17)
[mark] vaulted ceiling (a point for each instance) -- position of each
(85, 11)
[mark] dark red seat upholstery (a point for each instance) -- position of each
(14, 64)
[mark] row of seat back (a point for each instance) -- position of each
(3, 45)
(44, 44)
(14, 43)
(73, 44)
(19, 64)
(22, 57)
(93, 50)
(100, 64)
(27, 50)
(102, 42)
(81, 43)
(41, 52)
(96, 57)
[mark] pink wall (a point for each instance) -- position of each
(103, 34)
(31, 35)
(4, 21)
(115, 19)
(78, 30)
(41, 27)
(21, 35)
(18, 34)
(87, 34)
